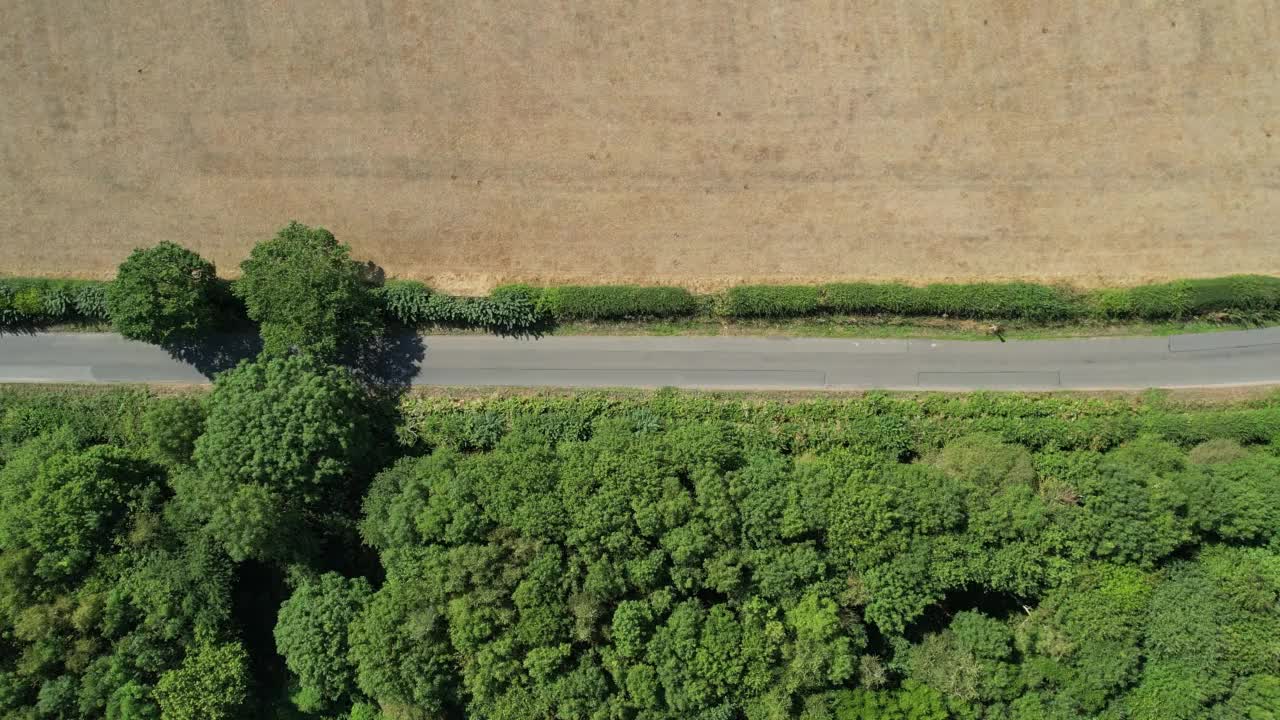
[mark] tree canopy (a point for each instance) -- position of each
(280, 440)
(162, 293)
(307, 293)
(247, 554)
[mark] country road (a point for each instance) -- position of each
(1227, 358)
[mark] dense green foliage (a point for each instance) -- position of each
(509, 311)
(770, 301)
(312, 635)
(635, 557)
(517, 309)
(310, 295)
(29, 302)
(162, 292)
(307, 293)
(211, 684)
(1185, 298)
(977, 300)
(102, 594)
(278, 448)
(615, 302)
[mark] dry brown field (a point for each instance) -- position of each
(467, 142)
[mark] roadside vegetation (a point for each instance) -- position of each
(167, 293)
(274, 549)
(304, 541)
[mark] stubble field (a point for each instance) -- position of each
(468, 142)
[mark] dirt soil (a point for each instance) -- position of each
(467, 142)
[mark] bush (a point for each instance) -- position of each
(1220, 450)
(162, 293)
(613, 302)
(1110, 304)
(1024, 301)
(775, 301)
(1161, 301)
(858, 298)
(172, 426)
(26, 302)
(1246, 293)
(508, 310)
(986, 461)
(405, 301)
(90, 300)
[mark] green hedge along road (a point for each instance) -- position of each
(1212, 359)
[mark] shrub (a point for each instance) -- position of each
(1109, 303)
(1219, 450)
(172, 426)
(513, 309)
(1243, 426)
(1161, 301)
(1024, 301)
(29, 302)
(1247, 293)
(35, 301)
(769, 301)
(986, 461)
(612, 302)
(871, 298)
(90, 300)
(405, 301)
(161, 293)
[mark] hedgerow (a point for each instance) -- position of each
(294, 284)
(510, 310)
(977, 300)
(616, 302)
(889, 424)
(519, 309)
(771, 301)
(871, 298)
(39, 301)
(1008, 301)
(1188, 298)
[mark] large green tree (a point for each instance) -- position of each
(211, 684)
(307, 293)
(312, 634)
(162, 293)
(281, 440)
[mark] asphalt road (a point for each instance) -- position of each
(1227, 358)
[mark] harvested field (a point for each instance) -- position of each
(470, 141)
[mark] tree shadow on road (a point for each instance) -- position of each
(390, 361)
(216, 352)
